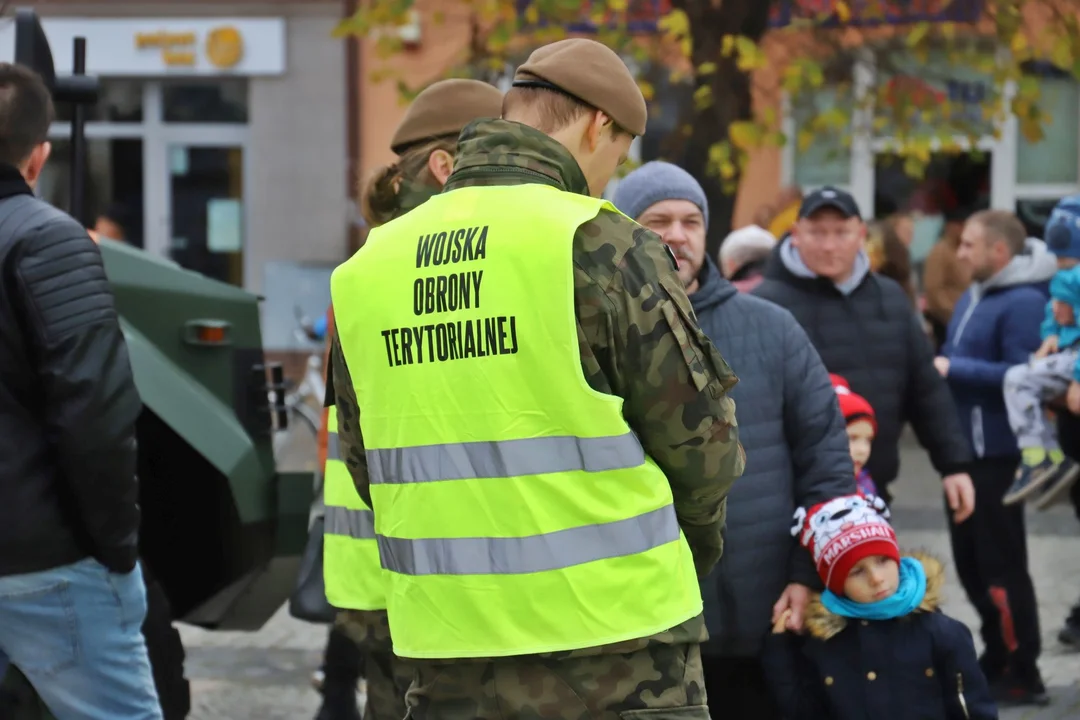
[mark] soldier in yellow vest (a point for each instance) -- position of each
(543, 431)
(424, 142)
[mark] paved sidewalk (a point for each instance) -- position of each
(265, 675)
(1054, 552)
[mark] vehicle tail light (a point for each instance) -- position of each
(207, 332)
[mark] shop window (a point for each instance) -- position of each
(827, 159)
(1055, 158)
(1034, 214)
(114, 183)
(945, 94)
(211, 101)
(121, 100)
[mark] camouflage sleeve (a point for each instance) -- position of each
(674, 384)
(350, 440)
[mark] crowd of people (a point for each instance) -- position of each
(969, 375)
(814, 309)
(574, 466)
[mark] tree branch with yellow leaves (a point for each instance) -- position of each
(933, 82)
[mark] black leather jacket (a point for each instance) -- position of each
(68, 402)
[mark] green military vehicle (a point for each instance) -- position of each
(222, 530)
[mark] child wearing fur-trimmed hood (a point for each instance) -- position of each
(877, 644)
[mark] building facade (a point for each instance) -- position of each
(1003, 170)
(219, 139)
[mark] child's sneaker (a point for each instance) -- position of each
(1036, 468)
(1029, 478)
(1057, 486)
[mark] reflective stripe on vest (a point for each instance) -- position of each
(352, 573)
(509, 458)
(515, 510)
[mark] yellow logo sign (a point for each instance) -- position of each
(174, 47)
(224, 47)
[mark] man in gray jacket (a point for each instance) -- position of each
(790, 425)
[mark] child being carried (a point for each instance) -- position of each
(1054, 370)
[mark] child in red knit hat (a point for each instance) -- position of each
(861, 429)
(877, 644)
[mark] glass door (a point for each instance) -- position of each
(206, 209)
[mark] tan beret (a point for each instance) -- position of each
(444, 108)
(592, 73)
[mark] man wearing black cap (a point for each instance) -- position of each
(865, 330)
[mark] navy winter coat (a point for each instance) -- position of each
(796, 455)
(995, 326)
(921, 666)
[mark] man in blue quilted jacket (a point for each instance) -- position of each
(790, 426)
(996, 326)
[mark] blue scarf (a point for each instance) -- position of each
(908, 596)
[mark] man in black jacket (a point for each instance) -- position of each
(72, 598)
(864, 328)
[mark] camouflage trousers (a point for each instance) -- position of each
(387, 675)
(659, 682)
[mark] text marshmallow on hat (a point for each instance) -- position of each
(841, 532)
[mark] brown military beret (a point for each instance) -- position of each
(591, 73)
(444, 108)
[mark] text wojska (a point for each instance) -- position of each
(462, 335)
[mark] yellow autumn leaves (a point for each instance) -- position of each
(919, 126)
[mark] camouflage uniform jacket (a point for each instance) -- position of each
(638, 339)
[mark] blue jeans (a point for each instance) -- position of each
(76, 633)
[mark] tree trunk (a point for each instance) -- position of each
(710, 21)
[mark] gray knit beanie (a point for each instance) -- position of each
(654, 182)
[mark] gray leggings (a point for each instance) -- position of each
(1027, 387)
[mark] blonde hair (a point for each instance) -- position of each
(548, 111)
(379, 200)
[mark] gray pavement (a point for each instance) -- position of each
(265, 675)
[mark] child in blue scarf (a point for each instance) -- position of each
(877, 645)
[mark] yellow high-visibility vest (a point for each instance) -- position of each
(353, 577)
(515, 509)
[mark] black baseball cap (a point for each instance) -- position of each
(829, 197)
